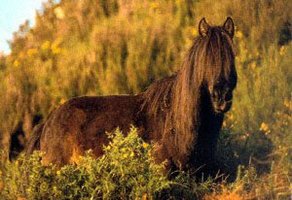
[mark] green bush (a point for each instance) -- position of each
(126, 171)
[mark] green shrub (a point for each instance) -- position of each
(126, 171)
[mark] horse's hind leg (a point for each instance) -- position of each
(60, 149)
(34, 141)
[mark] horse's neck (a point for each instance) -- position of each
(207, 135)
(210, 122)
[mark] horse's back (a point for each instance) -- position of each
(80, 124)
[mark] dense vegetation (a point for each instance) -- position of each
(101, 47)
(127, 170)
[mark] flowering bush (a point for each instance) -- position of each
(126, 171)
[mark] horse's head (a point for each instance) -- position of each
(218, 73)
(221, 94)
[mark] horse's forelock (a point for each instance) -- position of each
(217, 54)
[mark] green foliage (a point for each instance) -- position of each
(126, 171)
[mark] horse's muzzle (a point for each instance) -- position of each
(222, 107)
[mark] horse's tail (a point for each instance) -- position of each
(34, 141)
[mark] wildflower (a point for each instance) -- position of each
(31, 52)
(265, 128)
(55, 46)
(253, 65)
(282, 50)
(62, 101)
(224, 124)
(125, 155)
(56, 50)
(59, 13)
(145, 145)
(132, 154)
(288, 104)
(46, 45)
(231, 117)
(154, 5)
(55, 188)
(238, 34)
(16, 63)
(194, 31)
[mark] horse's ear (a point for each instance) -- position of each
(203, 27)
(229, 26)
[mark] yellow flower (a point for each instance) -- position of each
(125, 155)
(16, 63)
(154, 5)
(56, 50)
(238, 34)
(132, 154)
(282, 50)
(55, 46)
(32, 52)
(46, 45)
(55, 188)
(194, 31)
(253, 65)
(59, 13)
(62, 101)
(224, 124)
(145, 145)
(288, 104)
(265, 128)
(231, 117)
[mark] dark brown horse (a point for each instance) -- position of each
(181, 114)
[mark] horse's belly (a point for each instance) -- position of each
(80, 125)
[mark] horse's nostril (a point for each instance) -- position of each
(222, 106)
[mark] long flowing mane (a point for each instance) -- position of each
(176, 99)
